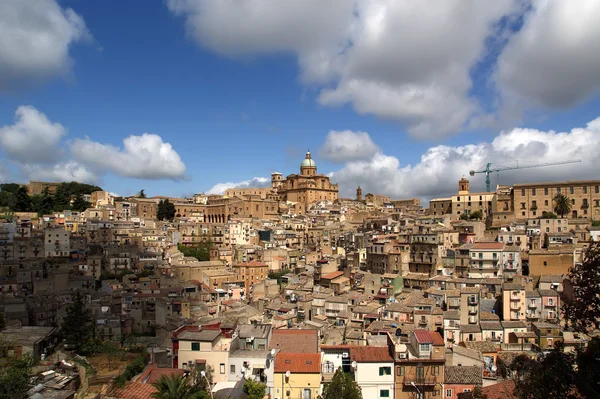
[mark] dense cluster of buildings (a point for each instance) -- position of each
(411, 301)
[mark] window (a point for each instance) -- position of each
(232, 369)
(400, 371)
(195, 346)
(522, 205)
(420, 371)
(597, 189)
(385, 371)
(423, 348)
(546, 202)
(546, 191)
(545, 263)
(384, 393)
(435, 370)
(533, 191)
(222, 368)
(448, 393)
(585, 189)
(558, 190)
(571, 190)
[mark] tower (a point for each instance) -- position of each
(463, 186)
(276, 180)
(359, 194)
(308, 167)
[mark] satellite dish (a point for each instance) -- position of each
(354, 364)
(494, 368)
(287, 374)
(273, 352)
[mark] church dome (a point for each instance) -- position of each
(308, 162)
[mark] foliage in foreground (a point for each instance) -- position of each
(342, 386)
(254, 390)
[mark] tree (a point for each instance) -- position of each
(476, 215)
(45, 205)
(77, 325)
(475, 394)
(254, 390)
(142, 194)
(562, 204)
(464, 216)
(176, 387)
(166, 210)
(62, 198)
(80, 204)
(548, 215)
(14, 375)
(203, 383)
(8, 200)
(582, 308)
(588, 369)
(23, 201)
(341, 387)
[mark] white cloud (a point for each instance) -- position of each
(35, 37)
(441, 167)
(344, 146)
(64, 171)
(143, 157)
(403, 60)
(554, 60)
(32, 138)
(220, 188)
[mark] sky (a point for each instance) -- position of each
(178, 97)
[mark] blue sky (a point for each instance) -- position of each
(239, 97)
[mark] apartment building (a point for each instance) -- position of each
(250, 273)
(486, 259)
(514, 302)
(297, 375)
(440, 206)
(420, 364)
(57, 242)
(374, 371)
(466, 202)
(533, 199)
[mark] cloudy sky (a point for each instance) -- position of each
(400, 97)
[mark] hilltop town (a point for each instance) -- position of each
(287, 284)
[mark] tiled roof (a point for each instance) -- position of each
(462, 351)
(155, 374)
(428, 337)
(463, 375)
(502, 390)
(332, 275)
(488, 245)
(470, 328)
(296, 341)
(370, 354)
(480, 346)
(298, 362)
(134, 390)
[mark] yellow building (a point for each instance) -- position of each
(251, 273)
(297, 375)
(468, 202)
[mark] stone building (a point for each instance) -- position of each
(531, 200)
(467, 202)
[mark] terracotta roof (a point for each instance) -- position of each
(296, 341)
(370, 354)
(488, 245)
(298, 363)
(134, 390)
(463, 375)
(428, 337)
(332, 275)
(156, 373)
(502, 390)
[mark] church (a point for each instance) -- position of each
(306, 188)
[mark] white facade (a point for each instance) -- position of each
(375, 379)
(258, 365)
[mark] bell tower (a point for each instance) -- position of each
(359, 194)
(463, 186)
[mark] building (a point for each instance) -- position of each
(440, 206)
(460, 380)
(374, 371)
(533, 199)
(57, 242)
(251, 273)
(297, 375)
(466, 202)
(420, 364)
(514, 302)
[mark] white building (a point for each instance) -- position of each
(373, 368)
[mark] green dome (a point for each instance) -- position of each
(308, 162)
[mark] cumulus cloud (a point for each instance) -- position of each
(554, 60)
(401, 60)
(35, 38)
(143, 157)
(32, 138)
(442, 166)
(36, 147)
(344, 146)
(257, 182)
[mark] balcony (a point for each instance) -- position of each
(515, 298)
(532, 305)
(420, 380)
(515, 306)
(422, 322)
(472, 310)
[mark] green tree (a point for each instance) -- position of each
(9, 188)
(62, 198)
(200, 251)
(548, 215)
(582, 307)
(176, 387)
(2, 323)
(341, 387)
(254, 390)
(464, 216)
(46, 203)
(562, 204)
(23, 201)
(80, 204)
(588, 369)
(169, 210)
(142, 194)
(77, 325)
(8, 200)
(476, 215)
(14, 375)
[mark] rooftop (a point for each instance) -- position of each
(296, 341)
(203, 336)
(305, 363)
(370, 354)
(463, 375)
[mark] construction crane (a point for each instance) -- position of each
(488, 170)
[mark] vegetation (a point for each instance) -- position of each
(177, 387)
(133, 369)
(548, 215)
(200, 251)
(141, 194)
(476, 215)
(254, 390)
(77, 326)
(582, 308)
(15, 198)
(475, 394)
(277, 275)
(14, 375)
(562, 204)
(341, 387)
(166, 210)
